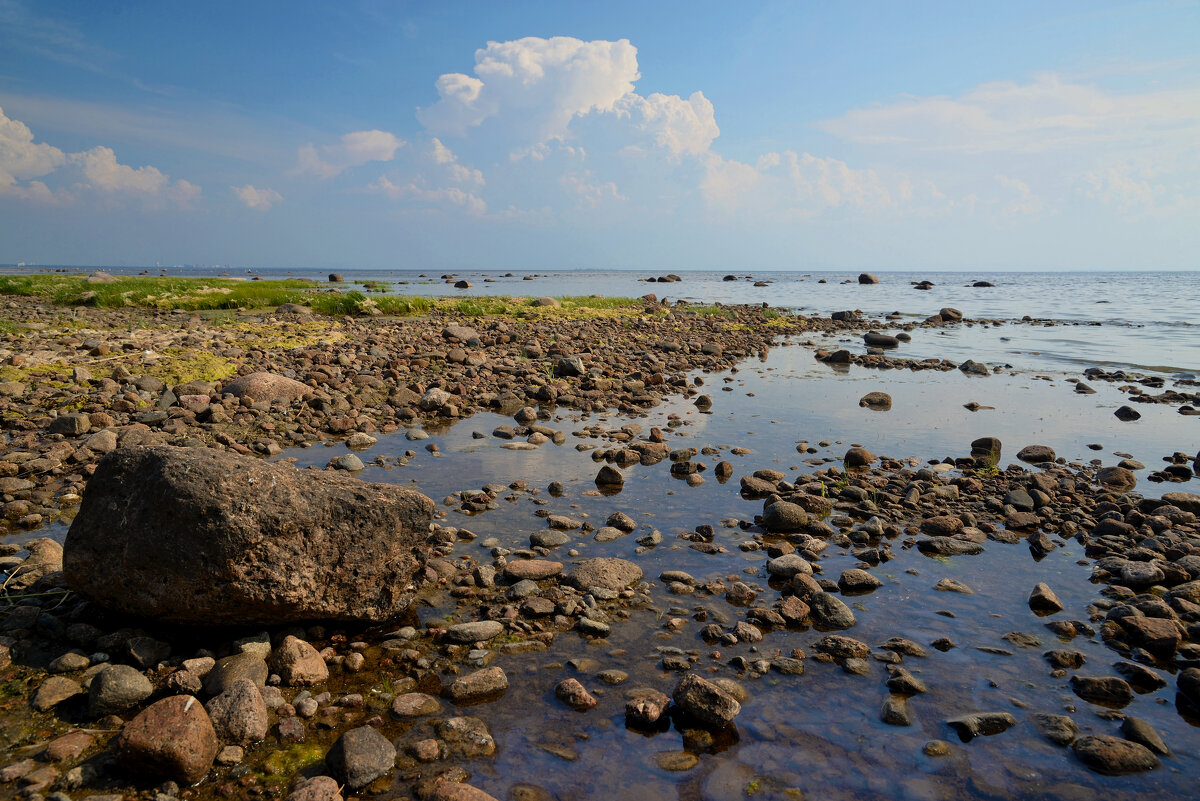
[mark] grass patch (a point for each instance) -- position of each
(203, 294)
(158, 292)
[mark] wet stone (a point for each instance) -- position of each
(573, 694)
(1139, 731)
(1104, 690)
(1058, 729)
(705, 701)
(478, 686)
(466, 736)
(360, 756)
(895, 711)
(981, 724)
(1113, 756)
(477, 631)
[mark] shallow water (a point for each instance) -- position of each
(820, 732)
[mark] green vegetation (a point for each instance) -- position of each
(206, 294)
(293, 759)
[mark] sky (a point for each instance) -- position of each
(627, 135)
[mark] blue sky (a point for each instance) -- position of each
(649, 136)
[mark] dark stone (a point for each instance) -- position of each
(360, 756)
(211, 538)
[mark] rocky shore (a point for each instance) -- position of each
(113, 687)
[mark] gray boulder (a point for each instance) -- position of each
(196, 536)
(360, 756)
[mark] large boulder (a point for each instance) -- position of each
(198, 536)
(267, 387)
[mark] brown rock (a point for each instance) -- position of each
(211, 538)
(1113, 756)
(1043, 600)
(298, 663)
(45, 558)
(318, 788)
(608, 573)
(53, 691)
(1157, 635)
(858, 457)
(573, 694)
(239, 715)
(171, 739)
(705, 701)
(267, 387)
(454, 791)
(532, 569)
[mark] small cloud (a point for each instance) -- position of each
(445, 196)
(184, 194)
(96, 170)
(103, 172)
(1026, 203)
(590, 194)
(257, 198)
(354, 150)
(458, 173)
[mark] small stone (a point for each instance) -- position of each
(53, 691)
(1043, 600)
(1058, 729)
(981, 724)
(480, 685)
(705, 701)
(573, 694)
(117, 688)
(477, 631)
(298, 663)
(239, 715)
(360, 756)
(1113, 756)
(412, 705)
(171, 739)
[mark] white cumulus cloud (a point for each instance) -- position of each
(536, 86)
(254, 198)
(681, 126)
(354, 150)
(95, 170)
(446, 158)
(591, 194)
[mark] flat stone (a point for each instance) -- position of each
(532, 569)
(476, 631)
(480, 685)
(1113, 756)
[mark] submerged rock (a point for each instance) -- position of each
(705, 701)
(1113, 756)
(211, 538)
